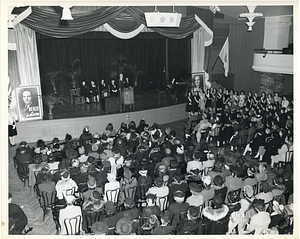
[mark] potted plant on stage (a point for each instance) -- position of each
(51, 101)
(53, 77)
(74, 72)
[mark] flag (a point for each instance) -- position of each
(224, 56)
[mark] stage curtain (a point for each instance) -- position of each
(27, 55)
(96, 51)
(198, 51)
(48, 23)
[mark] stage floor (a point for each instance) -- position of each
(143, 101)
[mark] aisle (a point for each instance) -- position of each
(30, 203)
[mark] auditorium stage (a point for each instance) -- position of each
(72, 119)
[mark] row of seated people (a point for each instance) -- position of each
(159, 158)
(267, 134)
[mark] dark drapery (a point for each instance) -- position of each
(48, 23)
(97, 50)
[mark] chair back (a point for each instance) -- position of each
(112, 195)
(47, 199)
(142, 189)
(72, 225)
(69, 192)
(162, 202)
(130, 192)
(289, 156)
(208, 203)
(91, 218)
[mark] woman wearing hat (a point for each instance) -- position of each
(196, 199)
(215, 217)
(219, 187)
(71, 211)
(178, 207)
(259, 221)
(265, 192)
(128, 185)
(159, 190)
(124, 227)
(65, 184)
(249, 179)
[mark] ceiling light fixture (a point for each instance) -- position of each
(250, 16)
(66, 13)
(163, 19)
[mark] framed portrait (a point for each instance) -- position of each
(29, 103)
(198, 79)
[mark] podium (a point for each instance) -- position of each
(127, 98)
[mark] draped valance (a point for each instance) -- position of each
(49, 23)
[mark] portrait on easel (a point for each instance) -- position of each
(29, 103)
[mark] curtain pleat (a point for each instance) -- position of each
(48, 23)
(27, 55)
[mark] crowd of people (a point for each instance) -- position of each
(142, 180)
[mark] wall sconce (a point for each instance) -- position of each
(214, 9)
(66, 13)
(250, 16)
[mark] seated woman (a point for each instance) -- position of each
(287, 146)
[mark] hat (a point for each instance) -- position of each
(248, 190)
(193, 212)
(159, 182)
(217, 201)
(179, 194)
(109, 206)
(259, 204)
(129, 201)
(127, 173)
(55, 141)
(218, 180)
(86, 129)
(229, 161)
(65, 175)
(251, 171)
(95, 196)
(123, 226)
(91, 183)
(194, 187)
(68, 137)
(196, 156)
(99, 228)
(22, 144)
(279, 180)
(71, 154)
(265, 187)
(206, 180)
(75, 162)
(236, 170)
(91, 159)
(111, 177)
(93, 140)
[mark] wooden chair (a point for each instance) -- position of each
(162, 202)
(208, 203)
(141, 194)
(76, 98)
(288, 159)
(113, 195)
(47, 200)
(73, 225)
(90, 218)
(25, 171)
